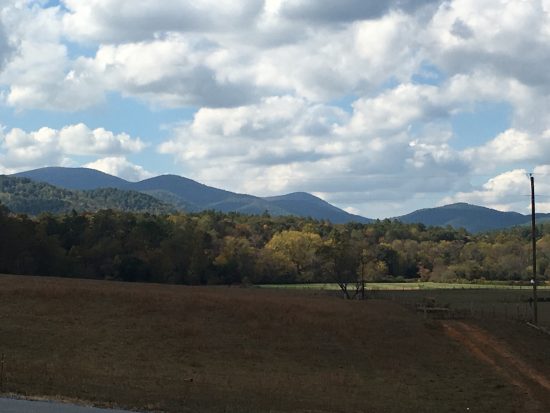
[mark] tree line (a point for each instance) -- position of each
(218, 248)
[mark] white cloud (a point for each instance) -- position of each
(40, 74)
(21, 150)
(109, 21)
(509, 191)
(501, 192)
(121, 167)
(329, 62)
(509, 38)
(216, 69)
(172, 71)
(207, 53)
(265, 78)
(511, 147)
(81, 140)
(337, 11)
(263, 131)
(287, 144)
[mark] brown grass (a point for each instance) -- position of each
(185, 349)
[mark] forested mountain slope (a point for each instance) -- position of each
(23, 195)
(191, 196)
(471, 217)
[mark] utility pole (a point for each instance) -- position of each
(534, 247)
(363, 275)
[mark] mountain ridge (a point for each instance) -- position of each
(192, 196)
(474, 218)
(186, 194)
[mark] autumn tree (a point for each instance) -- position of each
(298, 248)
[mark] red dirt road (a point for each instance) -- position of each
(509, 365)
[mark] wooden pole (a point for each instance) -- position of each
(534, 247)
(363, 275)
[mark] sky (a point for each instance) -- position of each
(379, 108)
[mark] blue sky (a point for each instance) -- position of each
(378, 108)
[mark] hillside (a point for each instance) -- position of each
(188, 195)
(23, 195)
(297, 202)
(471, 217)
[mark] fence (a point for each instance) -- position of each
(514, 305)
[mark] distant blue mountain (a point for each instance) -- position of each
(186, 194)
(184, 188)
(316, 207)
(471, 217)
(75, 178)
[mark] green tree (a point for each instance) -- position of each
(235, 261)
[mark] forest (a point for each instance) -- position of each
(23, 195)
(216, 248)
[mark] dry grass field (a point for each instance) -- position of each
(214, 349)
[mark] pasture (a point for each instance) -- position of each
(170, 348)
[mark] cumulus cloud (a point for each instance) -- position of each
(173, 71)
(506, 191)
(121, 167)
(41, 77)
(200, 68)
(509, 191)
(204, 53)
(40, 73)
(508, 38)
(352, 99)
(127, 20)
(81, 140)
(21, 150)
(509, 147)
(346, 10)
(286, 143)
(258, 134)
(6, 49)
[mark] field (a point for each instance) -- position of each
(218, 349)
(479, 301)
(408, 286)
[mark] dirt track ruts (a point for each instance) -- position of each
(507, 363)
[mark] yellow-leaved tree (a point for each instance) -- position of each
(297, 247)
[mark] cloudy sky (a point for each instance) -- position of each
(379, 107)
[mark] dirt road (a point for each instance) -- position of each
(507, 363)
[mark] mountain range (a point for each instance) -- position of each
(188, 195)
(172, 192)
